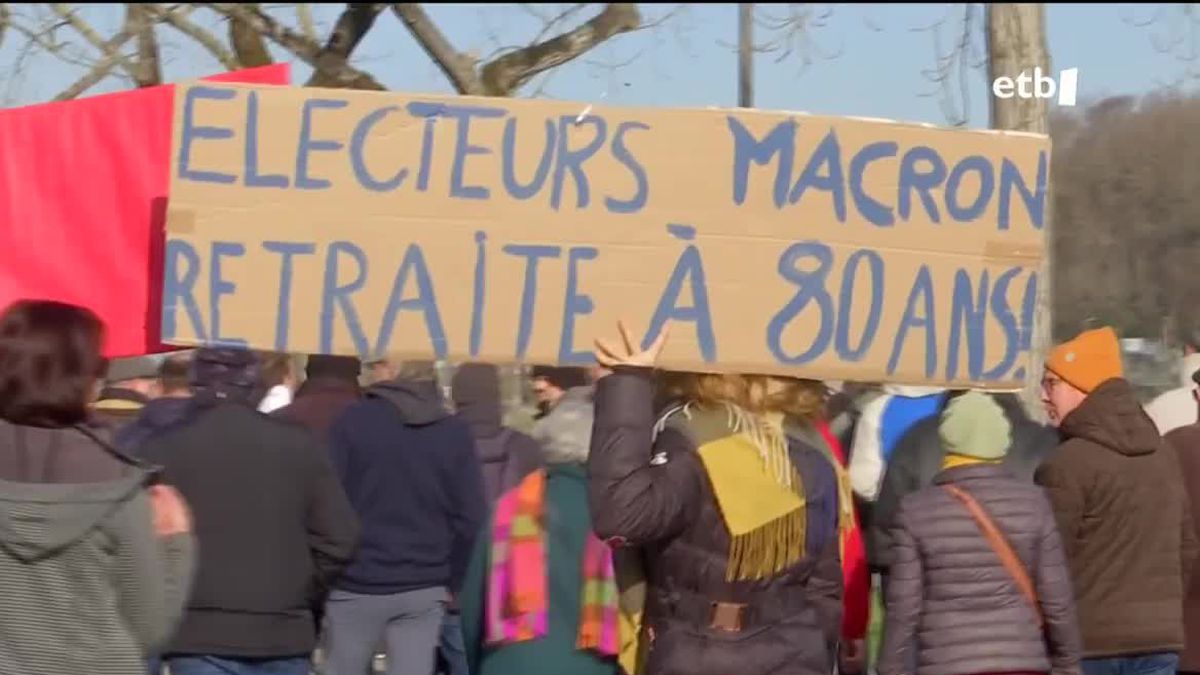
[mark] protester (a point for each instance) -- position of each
(330, 387)
(1185, 441)
(279, 382)
(274, 527)
(410, 470)
(1176, 408)
(131, 384)
(551, 383)
(954, 606)
(95, 566)
(740, 526)
(505, 456)
(884, 421)
(163, 412)
(538, 555)
(919, 455)
(1122, 511)
(808, 424)
(570, 415)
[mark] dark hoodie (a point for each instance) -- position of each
(157, 416)
(410, 471)
(918, 457)
(506, 456)
(88, 587)
(1125, 524)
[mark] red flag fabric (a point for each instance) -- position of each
(83, 188)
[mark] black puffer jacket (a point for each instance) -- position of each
(918, 458)
(791, 622)
(952, 601)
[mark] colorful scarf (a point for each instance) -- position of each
(517, 586)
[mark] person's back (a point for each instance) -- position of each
(1185, 442)
(505, 455)
(94, 567)
(330, 387)
(918, 458)
(410, 471)
(566, 542)
(272, 522)
(1121, 508)
(950, 597)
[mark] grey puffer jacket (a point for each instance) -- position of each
(952, 608)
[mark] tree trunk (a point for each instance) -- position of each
(746, 55)
(1016, 43)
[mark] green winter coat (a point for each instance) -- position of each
(567, 525)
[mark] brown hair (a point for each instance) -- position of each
(50, 361)
(174, 372)
(275, 368)
(754, 393)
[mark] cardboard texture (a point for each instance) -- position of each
(371, 223)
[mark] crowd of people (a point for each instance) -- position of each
(216, 513)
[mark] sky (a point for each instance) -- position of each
(864, 60)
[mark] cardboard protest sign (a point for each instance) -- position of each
(499, 230)
(83, 190)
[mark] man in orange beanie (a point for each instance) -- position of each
(1122, 511)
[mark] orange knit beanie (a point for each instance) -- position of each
(1088, 361)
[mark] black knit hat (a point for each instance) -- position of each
(225, 370)
(336, 367)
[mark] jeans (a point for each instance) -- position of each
(409, 623)
(216, 665)
(452, 652)
(1146, 664)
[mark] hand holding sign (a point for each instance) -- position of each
(628, 355)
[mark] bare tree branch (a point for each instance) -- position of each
(5, 20)
(458, 68)
(305, 18)
(148, 67)
(71, 17)
(177, 19)
(351, 27)
(507, 73)
(306, 49)
(247, 42)
(112, 56)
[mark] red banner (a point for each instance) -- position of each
(83, 188)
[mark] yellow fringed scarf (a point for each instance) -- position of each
(759, 493)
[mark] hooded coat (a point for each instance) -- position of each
(410, 471)
(1125, 523)
(1186, 443)
(88, 586)
(157, 416)
(506, 456)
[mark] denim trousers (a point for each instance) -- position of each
(216, 665)
(1164, 663)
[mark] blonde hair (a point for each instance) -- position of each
(756, 394)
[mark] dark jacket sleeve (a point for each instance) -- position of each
(1065, 488)
(905, 598)
(465, 480)
(900, 479)
(333, 527)
(1056, 596)
(631, 499)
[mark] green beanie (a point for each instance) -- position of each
(974, 425)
